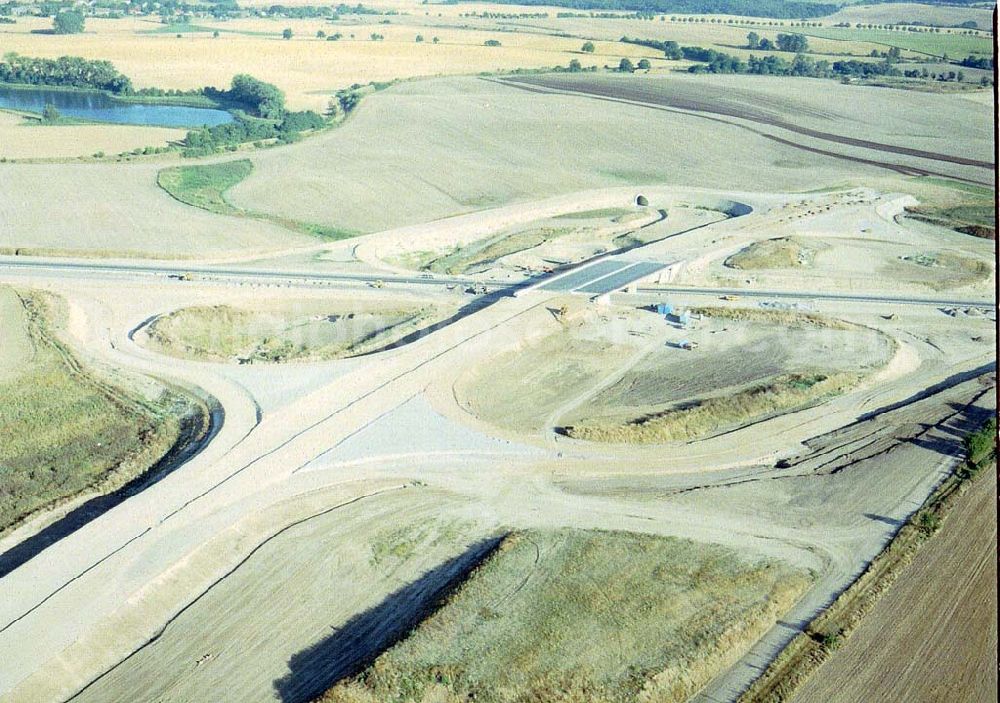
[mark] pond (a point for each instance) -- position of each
(101, 107)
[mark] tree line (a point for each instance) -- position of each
(65, 72)
(786, 9)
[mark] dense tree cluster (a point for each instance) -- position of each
(670, 49)
(795, 43)
(211, 139)
(977, 62)
(66, 71)
(255, 96)
(789, 9)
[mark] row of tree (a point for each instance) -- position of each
(787, 9)
(712, 61)
(66, 72)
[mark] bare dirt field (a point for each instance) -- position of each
(857, 243)
(289, 330)
(933, 636)
(620, 367)
(20, 139)
(538, 246)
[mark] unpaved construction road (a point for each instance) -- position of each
(122, 599)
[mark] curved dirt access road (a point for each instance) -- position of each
(357, 428)
(705, 100)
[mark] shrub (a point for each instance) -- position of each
(50, 113)
(68, 22)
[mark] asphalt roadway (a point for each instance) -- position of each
(75, 268)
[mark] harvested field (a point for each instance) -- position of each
(21, 139)
(119, 210)
(292, 330)
(920, 42)
(765, 104)
(933, 636)
(307, 68)
(908, 12)
(576, 615)
(333, 179)
(64, 430)
(204, 186)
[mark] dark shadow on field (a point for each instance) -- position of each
(473, 306)
(196, 432)
(892, 522)
(952, 380)
(42, 31)
(362, 638)
(951, 434)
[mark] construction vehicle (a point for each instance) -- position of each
(688, 345)
(729, 296)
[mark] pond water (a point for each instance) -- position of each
(103, 108)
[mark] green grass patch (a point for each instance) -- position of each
(711, 415)
(954, 45)
(971, 188)
(606, 213)
(63, 430)
(179, 28)
(977, 219)
(575, 615)
(204, 186)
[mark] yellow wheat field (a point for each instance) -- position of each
(21, 140)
